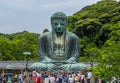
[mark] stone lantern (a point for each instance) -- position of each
(26, 60)
(9, 72)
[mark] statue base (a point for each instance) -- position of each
(58, 66)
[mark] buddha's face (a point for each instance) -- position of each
(59, 25)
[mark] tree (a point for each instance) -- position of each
(5, 49)
(109, 61)
(45, 30)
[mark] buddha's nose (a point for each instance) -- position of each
(59, 25)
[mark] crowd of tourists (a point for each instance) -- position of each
(62, 77)
(36, 76)
(48, 77)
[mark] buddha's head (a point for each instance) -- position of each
(59, 22)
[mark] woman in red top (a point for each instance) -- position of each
(38, 77)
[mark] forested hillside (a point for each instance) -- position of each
(97, 25)
(12, 46)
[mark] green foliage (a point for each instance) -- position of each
(45, 30)
(87, 27)
(5, 49)
(109, 61)
(12, 46)
(98, 27)
(96, 23)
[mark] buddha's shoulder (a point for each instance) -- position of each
(46, 34)
(70, 34)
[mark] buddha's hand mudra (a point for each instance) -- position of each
(47, 59)
(71, 60)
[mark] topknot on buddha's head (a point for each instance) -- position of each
(59, 15)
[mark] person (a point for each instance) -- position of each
(65, 77)
(89, 75)
(15, 78)
(59, 76)
(58, 46)
(119, 80)
(114, 79)
(0, 78)
(4, 78)
(47, 80)
(82, 77)
(70, 79)
(52, 78)
(38, 77)
(20, 76)
(26, 79)
(76, 79)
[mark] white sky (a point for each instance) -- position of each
(34, 15)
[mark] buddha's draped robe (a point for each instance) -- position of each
(51, 48)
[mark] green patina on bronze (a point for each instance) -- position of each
(58, 48)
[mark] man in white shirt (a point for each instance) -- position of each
(89, 75)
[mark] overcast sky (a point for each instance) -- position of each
(34, 15)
